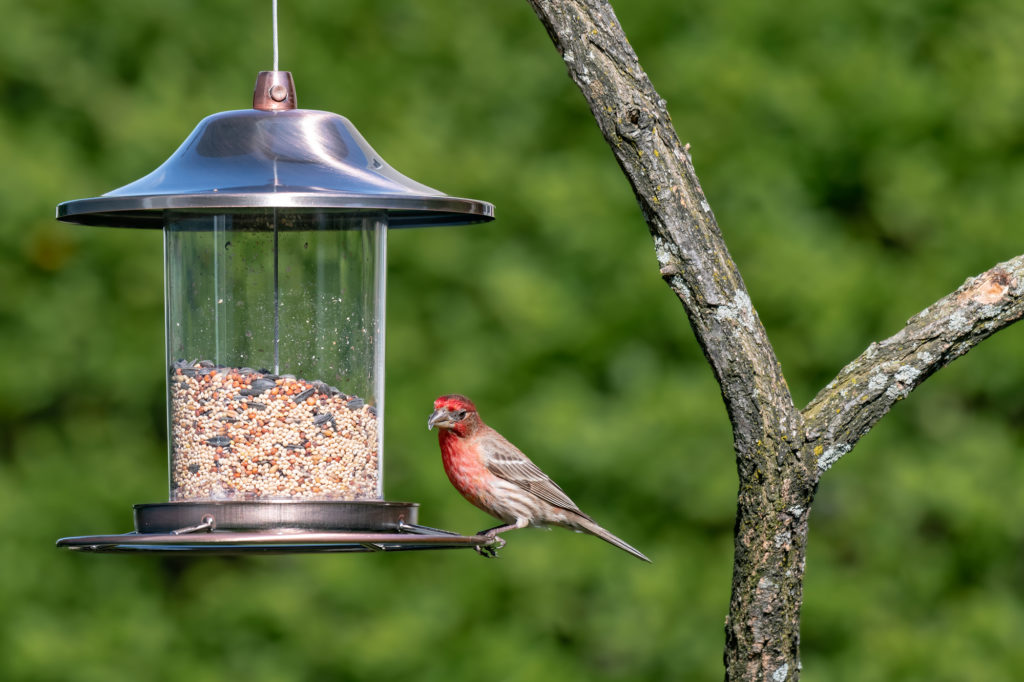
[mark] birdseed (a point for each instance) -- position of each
(245, 434)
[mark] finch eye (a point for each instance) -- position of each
(461, 414)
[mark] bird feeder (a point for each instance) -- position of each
(275, 223)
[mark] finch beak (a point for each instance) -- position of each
(439, 418)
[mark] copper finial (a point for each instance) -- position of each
(275, 91)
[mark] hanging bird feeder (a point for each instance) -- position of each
(275, 223)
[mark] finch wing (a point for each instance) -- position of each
(505, 461)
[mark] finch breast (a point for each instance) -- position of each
(486, 491)
(469, 476)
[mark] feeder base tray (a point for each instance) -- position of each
(274, 527)
(276, 515)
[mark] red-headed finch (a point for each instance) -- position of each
(494, 475)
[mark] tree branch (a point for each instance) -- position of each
(889, 370)
(776, 470)
(694, 259)
(780, 451)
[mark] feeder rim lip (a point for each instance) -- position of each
(149, 210)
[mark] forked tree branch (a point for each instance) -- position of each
(781, 452)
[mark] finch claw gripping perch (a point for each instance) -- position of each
(490, 550)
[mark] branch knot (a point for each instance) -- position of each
(634, 123)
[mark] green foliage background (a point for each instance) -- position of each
(863, 158)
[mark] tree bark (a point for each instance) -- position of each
(781, 451)
(889, 370)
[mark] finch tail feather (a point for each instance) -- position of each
(588, 526)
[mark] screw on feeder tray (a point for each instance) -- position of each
(208, 523)
(258, 207)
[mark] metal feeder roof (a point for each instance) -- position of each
(274, 156)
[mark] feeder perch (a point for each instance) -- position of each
(275, 223)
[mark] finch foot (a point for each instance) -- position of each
(490, 550)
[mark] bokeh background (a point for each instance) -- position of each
(863, 158)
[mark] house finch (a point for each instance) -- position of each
(495, 476)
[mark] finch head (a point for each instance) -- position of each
(455, 413)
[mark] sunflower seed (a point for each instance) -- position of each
(305, 394)
(262, 385)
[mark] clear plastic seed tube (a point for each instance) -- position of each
(275, 343)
